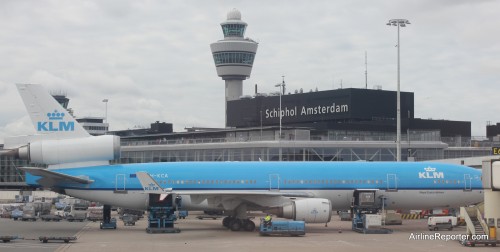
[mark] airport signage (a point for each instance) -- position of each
(495, 150)
(297, 111)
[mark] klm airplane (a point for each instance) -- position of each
(78, 165)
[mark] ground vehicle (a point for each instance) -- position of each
(16, 214)
(94, 213)
(293, 228)
(60, 205)
(441, 222)
(182, 214)
(129, 219)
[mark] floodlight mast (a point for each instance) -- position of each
(398, 23)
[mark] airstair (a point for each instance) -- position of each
(473, 217)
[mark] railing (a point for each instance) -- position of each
(481, 220)
(474, 212)
(468, 221)
(474, 142)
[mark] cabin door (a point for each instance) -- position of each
(467, 182)
(274, 182)
(120, 183)
(392, 184)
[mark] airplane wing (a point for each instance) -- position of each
(225, 197)
(54, 176)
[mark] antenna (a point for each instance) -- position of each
(366, 70)
(283, 77)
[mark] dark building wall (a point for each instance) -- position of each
(324, 106)
(447, 128)
(493, 130)
(342, 109)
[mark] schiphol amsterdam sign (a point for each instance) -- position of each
(302, 111)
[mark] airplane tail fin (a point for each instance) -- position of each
(47, 115)
(151, 187)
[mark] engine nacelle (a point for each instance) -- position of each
(308, 210)
(51, 152)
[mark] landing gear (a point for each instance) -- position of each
(248, 225)
(238, 224)
(235, 225)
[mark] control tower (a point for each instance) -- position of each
(234, 55)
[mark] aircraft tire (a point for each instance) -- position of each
(248, 225)
(235, 225)
(227, 221)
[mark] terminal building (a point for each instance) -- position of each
(332, 125)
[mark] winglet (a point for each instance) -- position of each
(150, 186)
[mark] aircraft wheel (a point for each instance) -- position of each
(226, 221)
(249, 225)
(235, 225)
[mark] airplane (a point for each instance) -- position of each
(78, 166)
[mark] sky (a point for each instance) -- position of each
(152, 59)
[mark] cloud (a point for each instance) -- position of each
(152, 59)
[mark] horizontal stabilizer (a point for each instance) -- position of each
(55, 176)
(150, 186)
(8, 152)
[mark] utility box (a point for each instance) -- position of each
(371, 221)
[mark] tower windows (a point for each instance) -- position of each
(233, 30)
(233, 58)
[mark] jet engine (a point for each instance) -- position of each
(51, 152)
(308, 210)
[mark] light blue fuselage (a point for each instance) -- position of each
(406, 185)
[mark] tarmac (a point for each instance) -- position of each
(209, 235)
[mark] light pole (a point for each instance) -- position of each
(281, 86)
(398, 23)
(106, 111)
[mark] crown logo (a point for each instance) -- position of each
(430, 169)
(55, 115)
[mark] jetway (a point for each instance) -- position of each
(490, 223)
(491, 185)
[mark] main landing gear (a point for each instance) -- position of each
(236, 224)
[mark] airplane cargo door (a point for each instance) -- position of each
(274, 182)
(120, 183)
(392, 184)
(467, 182)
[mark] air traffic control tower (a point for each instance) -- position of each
(234, 55)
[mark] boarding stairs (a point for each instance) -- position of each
(473, 217)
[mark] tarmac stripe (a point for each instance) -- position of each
(66, 246)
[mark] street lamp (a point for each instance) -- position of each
(106, 116)
(282, 87)
(398, 23)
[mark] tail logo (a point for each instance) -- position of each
(55, 123)
(151, 187)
